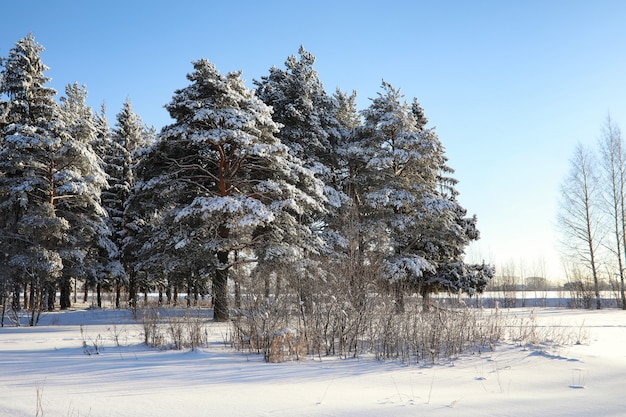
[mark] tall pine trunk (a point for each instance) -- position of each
(220, 280)
(132, 291)
(220, 288)
(65, 287)
(15, 302)
(99, 294)
(51, 293)
(118, 293)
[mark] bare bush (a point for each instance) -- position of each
(91, 345)
(175, 328)
(581, 293)
(150, 320)
(414, 335)
(524, 329)
(427, 335)
(256, 326)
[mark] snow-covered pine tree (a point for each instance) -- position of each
(215, 178)
(84, 210)
(120, 151)
(30, 231)
(455, 232)
(50, 182)
(347, 113)
(4, 106)
(405, 198)
(312, 132)
(308, 116)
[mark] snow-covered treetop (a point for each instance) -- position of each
(24, 83)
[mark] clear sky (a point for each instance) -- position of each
(511, 86)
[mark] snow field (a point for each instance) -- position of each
(52, 370)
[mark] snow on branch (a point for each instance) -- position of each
(241, 211)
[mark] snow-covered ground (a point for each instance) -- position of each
(46, 371)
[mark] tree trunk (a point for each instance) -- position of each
(3, 302)
(35, 302)
(29, 296)
(99, 294)
(65, 287)
(51, 292)
(15, 302)
(118, 293)
(267, 289)
(132, 291)
(237, 294)
(623, 225)
(592, 258)
(623, 293)
(425, 293)
(220, 287)
(398, 296)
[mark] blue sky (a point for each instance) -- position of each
(511, 87)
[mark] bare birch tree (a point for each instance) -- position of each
(579, 215)
(613, 177)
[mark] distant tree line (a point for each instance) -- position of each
(283, 190)
(592, 217)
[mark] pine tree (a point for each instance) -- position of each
(99, 264)
(4, 106)
(406, 199)
(121, 150)
(24, 84)
(308, 117)
(312, 132)
(215, 178)
(31, 233)
(50, 184)
(454, 231)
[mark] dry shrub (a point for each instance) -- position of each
(420, 334)
(150, 320)
(523, 329)
(169, 328)
(285, 345)
(261, 327)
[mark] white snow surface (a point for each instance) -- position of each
(46, 368)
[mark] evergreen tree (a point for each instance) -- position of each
(30, 231)
(215, 178)
(50, 183)
(121, 151)
(308, 117)
(24, 84)
(312, 132)
(4, 106)
(406, 200)
(453, 231)
(99, 264)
